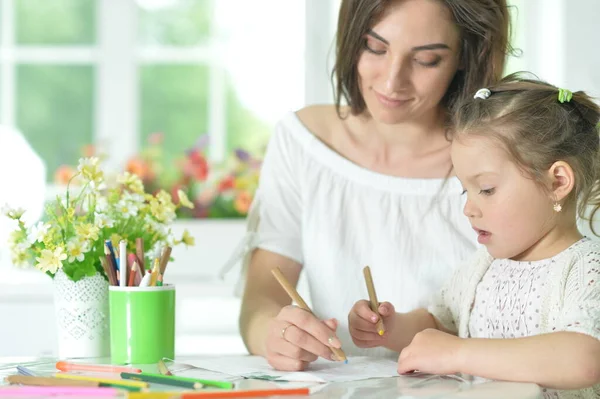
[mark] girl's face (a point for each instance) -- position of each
(510, 213)
(409, 59)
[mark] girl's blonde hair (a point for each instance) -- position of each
(536, 129)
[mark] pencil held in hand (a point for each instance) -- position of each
(291, 291)
(373, 298)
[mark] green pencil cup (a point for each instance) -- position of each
(142, 324)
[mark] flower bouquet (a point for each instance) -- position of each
(69, 243)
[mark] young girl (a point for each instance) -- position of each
(527, 306)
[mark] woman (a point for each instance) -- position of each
(370, 182)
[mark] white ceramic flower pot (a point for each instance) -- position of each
(82, 316)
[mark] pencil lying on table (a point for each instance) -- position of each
(373, 298)
(291, 291)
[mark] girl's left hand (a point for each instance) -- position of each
(431, 351)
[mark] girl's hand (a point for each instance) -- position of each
(431, 351)
(296, 338)
(362, 323)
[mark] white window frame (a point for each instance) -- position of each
(117, 55)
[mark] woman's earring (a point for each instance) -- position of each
(557, 207)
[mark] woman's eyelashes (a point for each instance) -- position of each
(375, 47)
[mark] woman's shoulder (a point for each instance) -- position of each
(322, 121)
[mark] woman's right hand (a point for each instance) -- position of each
(362, 323)
(296, 338)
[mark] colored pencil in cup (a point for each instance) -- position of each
(97, 368)
(163, 369)
(162, 379)
(110, 259)
(146, 280)
(155, 271)
(164, 259)
(291, 291)
(110, 272)
(111, 249)
(132, 274)
(123, 263)
(139, 252)
(373, 298)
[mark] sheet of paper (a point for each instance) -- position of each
(358, 368)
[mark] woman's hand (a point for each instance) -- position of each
(431, 351)
(295, 338)
(362, 323)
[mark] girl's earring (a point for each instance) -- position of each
(557, 207)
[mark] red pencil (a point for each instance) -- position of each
(245, 393)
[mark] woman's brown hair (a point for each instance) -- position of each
(537, 129)
(484, 28)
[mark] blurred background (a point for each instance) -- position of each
(146, 83)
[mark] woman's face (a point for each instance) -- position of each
(409, 59)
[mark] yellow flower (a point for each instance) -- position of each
(162, 208)
(184, 200)
(132, 182)
(115, 238)
(187, 239)
(87, 231)
(89, 169)
(51, 261)
(75, 250)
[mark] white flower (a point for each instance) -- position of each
(75, 250)
(126, 208)
(101, 204)
(103, 221)
(51, 261)
(38, 232)
(13, 213)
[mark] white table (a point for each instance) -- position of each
(398, 387)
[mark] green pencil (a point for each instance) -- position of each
(142, 376)
(161, 379)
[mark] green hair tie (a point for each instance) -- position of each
(564, 95)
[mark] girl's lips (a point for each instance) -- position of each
(483, 236)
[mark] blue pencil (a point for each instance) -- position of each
(112, 252)
(25, 371)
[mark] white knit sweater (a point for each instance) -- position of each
(571, 302)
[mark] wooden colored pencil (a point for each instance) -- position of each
(161, 379)
(96, 368)
(164, 259)
(155, 271)
(111, 260)
(373, 298)
(139, 251)
(64, 382)
(291, 291)
(110, 272)
(207, 383)
(48, 381)
(137, 384)
(163, 369)
(254, 393)
(132, 274)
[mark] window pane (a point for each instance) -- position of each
(174, 22)
(55, 22)
(174, 102)
(55, 111)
